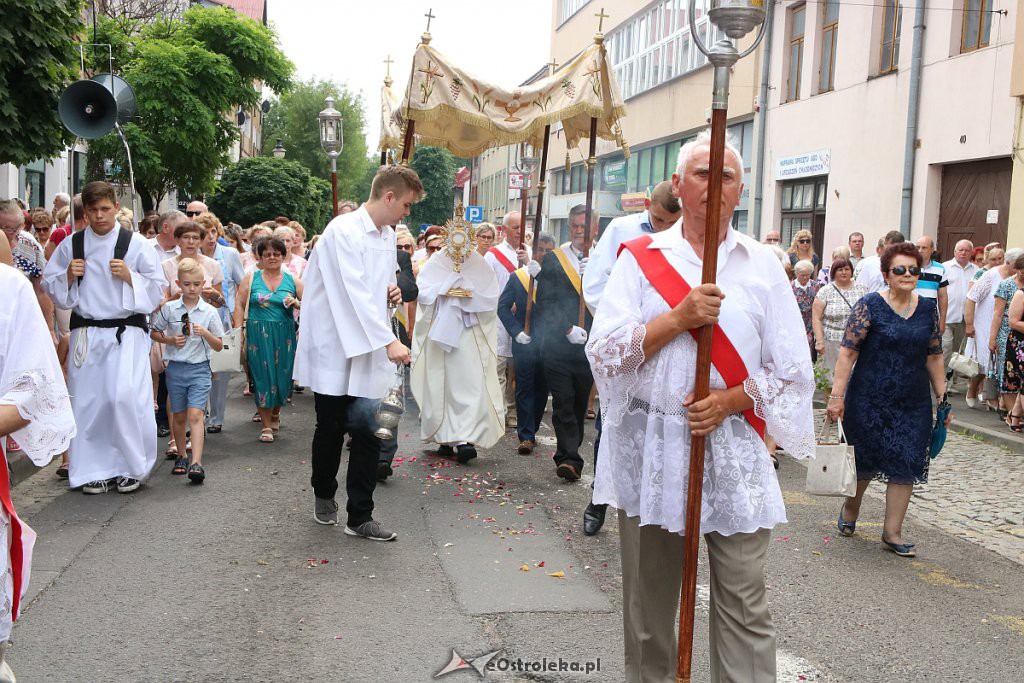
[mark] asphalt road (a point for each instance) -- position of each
(234, 581)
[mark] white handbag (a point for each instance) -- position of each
(967, 366)
(833, 472)
(228, 359)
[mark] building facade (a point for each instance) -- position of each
(666, 84)
(837, 122)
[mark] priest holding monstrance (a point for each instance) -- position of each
(454, 371)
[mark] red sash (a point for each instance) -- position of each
(17, 558)
(502, 259)
(673, 289)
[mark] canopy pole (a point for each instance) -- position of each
(591, 166)
(536, 224)
(410, 130)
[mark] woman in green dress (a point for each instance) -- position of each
(272, 294)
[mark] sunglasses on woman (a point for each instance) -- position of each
(405, 247)
(803, 241)
(903, 270)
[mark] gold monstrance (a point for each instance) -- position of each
(458, 238)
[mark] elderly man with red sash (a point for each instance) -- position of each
(643, 352)
(504, 259)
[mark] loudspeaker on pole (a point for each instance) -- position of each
(91, 108)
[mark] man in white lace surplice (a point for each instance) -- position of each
(36, 410)
(643, 356)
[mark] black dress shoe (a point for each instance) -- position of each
(163, 431)
(384, 470)
(593, 518)
(465, 453)
(445, 451)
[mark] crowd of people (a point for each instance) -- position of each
(484, 332)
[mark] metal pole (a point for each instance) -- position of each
(131, 176)
(591, 165)
(334, 184)
(913, 107)
(536, 224)
(383, 157)
(71, 182)
(762, 118)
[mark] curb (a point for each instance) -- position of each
(1010, 443)
(20, 467)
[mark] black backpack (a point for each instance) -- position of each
(124, 239)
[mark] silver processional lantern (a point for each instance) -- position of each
(332, 140)
(735, 18)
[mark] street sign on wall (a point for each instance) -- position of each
(515, 181)
(475, 214)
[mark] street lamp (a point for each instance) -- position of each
(278, 150)
(735, 18)
(332, 139)
(524, 164)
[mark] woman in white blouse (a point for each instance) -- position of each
(832, 307)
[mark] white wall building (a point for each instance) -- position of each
(837, 121)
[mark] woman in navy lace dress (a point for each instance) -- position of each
(893, 337)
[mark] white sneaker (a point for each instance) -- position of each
(98, 486)
(971, 402)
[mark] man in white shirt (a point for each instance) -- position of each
(165, 243)
(347, 348)
(505, 258)
(959, 273)
(643, 354)
(856, 244)
(869, 271)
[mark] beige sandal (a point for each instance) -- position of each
(267, 435)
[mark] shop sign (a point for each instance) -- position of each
(803, 165)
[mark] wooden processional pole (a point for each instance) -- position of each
(536, 224)
(591, 165)
(736, 20)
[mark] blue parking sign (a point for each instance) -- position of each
(475, 214)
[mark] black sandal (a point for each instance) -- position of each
(1016, 428)
(180, 466)
(196, 473)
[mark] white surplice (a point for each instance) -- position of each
(31, 380)
(345, 323)
(503, 274)
(454, 372)
(644, 458)
(110, 381)
(604, 253)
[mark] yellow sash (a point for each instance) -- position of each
(524, 280)
(570, 272)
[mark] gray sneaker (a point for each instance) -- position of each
(371, 530)
(325, 511)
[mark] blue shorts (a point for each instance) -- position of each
(188, 385)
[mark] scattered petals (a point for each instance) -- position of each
(524, 568)
(558, 575)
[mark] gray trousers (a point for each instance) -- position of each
(218, 400)
(742, 636)
(952, 339)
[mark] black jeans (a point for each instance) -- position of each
(337, 416)
(569, 383)
(388, 448)
(161, 402)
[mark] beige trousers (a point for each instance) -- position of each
(506, 378)
(742, 636)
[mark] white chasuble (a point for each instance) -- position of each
(455, 365)
(109, 378)
(31, 380)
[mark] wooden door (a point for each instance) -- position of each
(969, 192)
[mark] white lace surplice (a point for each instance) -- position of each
(30, 380)
(644, 458)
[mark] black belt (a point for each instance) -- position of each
(138, 320)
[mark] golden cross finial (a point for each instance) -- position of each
(552, 66)
(601, 16)
(429, 15)
(389, 62)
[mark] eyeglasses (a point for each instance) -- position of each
(192, 214)
(485, 237)
(903, 270)
(803, 241)
(431, 250)
(406, 247)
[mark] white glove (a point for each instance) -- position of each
(523, 338)
(533, 269)
(577, 335)
(583, 264)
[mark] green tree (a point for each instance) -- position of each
(39, 59)
(188, 77)
(436, 168)
(361, 191)
(293, 119)
(257, 189)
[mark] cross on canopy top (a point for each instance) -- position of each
(601, 16)
(388, 62)
(430, 15)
